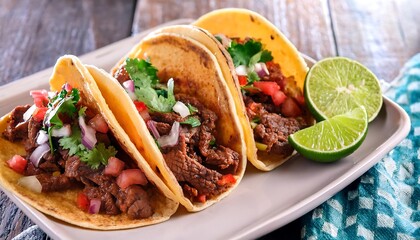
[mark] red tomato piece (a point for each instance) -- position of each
(301, 100)
(278, 98)
(268, 88)
(140, 106)
(39, 113)
(131, 176)
(17, 163)
(82, 201)
(226, 180)
(202, 198)
(98, 123)
(243, 80)
(269, 64)
(40, 97)
(142, 109)
(290, 108)
(114, 167)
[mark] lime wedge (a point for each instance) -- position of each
(333, 138)
(336, 85)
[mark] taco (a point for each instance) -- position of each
(265, 74)
(67, 156)
(180, 115)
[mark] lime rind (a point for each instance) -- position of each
(332, 139)
(340, 84)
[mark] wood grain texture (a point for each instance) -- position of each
(33, 34)
(374, 33)
(305, 22)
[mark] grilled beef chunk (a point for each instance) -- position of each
(59, 172)
(274, 131)
(187, 169)
(196, 160)
(121, 74)
(17, 129)
(33, 129)
(51, 183)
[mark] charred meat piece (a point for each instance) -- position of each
(121, 74)
(51, 183)
(17, 129)
(186, 169)
(135, 201)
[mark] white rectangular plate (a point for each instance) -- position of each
(262, 202)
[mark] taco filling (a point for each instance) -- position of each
(184, 129)
(68, 146)
(274, 103)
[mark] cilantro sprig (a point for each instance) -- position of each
(144, 75)
(248, 53)
(95, 157)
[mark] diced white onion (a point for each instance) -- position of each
(88, 134)
(241, 70)
(28, 113)
(30, 182)
(95, 205)
(181, 109)
(226, 42)
(64, 131)
(261, 69)
(38, 153)
(172, 138)
(129, 85)
(42, 137)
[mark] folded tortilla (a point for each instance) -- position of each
(242, 24)
(196, 73)
(62, 205)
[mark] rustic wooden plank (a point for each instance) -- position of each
(371, 32)
(306, 23)
(33, 34)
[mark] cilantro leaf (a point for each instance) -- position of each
(154, 102)
(194, 122)
(252, 77)
(98, 155)
(73, 143)
(192, 109)
(248, 53)
(141, 72)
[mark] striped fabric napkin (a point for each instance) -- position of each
(385, 202)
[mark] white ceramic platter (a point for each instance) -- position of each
(264, 201)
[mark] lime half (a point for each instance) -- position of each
(333, 138)
(337, 85)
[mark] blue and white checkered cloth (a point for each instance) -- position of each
(385, 202)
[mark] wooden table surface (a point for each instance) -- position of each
(33, 34)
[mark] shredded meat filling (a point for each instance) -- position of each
(59, 172)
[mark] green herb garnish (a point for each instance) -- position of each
(194, 122)
(248, 53)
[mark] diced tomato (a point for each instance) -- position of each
(278, 98)
(98, 123)
(290, 108)
(39, 113)
(270, 64)
(301, 100)
(142, 109)
(131, 176)
(202, 198)
(114, 167)
(226, 180)
(40, 97)
(82, 201)
(17, 163)
(140, 105)
(268, 88)
(243, 80)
